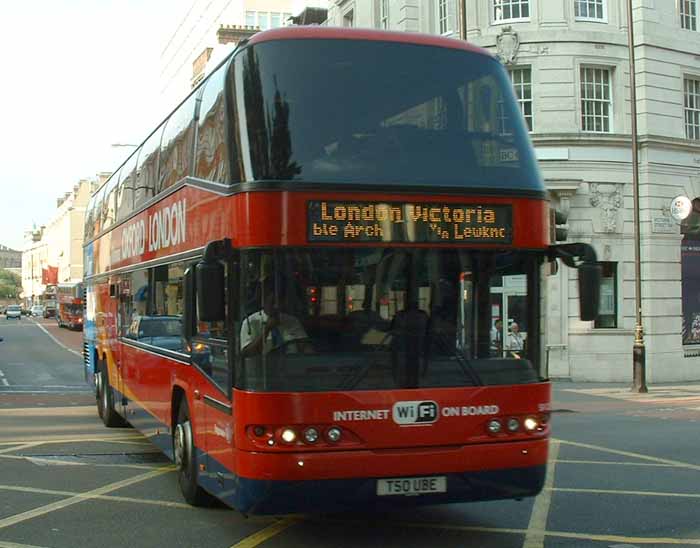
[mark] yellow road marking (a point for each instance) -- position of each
(56, 492)
(625, 492)
(73, 410)
(42, 510)
(549, 534)
(670, 462)
(534, 538)
(615, 463)
(15, 545)
(267, 533)
(19, 447)
(73, 439)
(58, 462)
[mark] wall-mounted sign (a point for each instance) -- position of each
(681, 206)
(409, 222)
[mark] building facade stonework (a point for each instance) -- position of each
(9, 258)
(56, 249)
(569, 63)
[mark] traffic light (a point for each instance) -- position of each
(559, 224)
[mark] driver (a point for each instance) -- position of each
(278, 330)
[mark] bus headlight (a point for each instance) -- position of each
(530, 424)
(288, 435)
(513, 424)
(494, 426)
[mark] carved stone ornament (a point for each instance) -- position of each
(507, 44)
(608, 198)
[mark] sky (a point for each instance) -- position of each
(77, 77)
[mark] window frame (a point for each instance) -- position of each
(442, 19)
(610, 102)
(520, 3)
(692, 130)
(521, 101)
(689, 17)
(613, 274)
(384, 14)
(604, 5)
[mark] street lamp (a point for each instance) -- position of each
(638, 350)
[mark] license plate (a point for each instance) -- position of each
(412, 486)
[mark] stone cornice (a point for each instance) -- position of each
(613, 139)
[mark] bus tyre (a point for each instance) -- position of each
(186, 460)
(105, 401)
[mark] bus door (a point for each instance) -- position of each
(211, 355)
(508, 307)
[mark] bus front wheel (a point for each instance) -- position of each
(186, 460)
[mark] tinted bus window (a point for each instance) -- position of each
(127, 182)
(406, 119)
(176, 145)
(380, 319)
(211, 157)
(147, 170)
(109, 204)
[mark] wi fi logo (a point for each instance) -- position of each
(415, 412)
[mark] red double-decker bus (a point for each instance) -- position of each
(69, 300)
(293, 285)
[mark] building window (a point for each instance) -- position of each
(383, 14)
(250, 19)
(596, 100)
(348, 19)
(263, 20)
(522, 83)
(591, 10)
(508, 10)
(691, 103)
(689, 14)
(607, 307)
(443, 17)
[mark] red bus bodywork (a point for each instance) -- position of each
(250, 468)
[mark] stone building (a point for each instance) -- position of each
(569, 62)
(9, 258)
(208, 32)
(54, 252)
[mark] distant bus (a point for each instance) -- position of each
(69, 310)
(292, 283)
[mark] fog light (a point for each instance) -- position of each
(333, 434)
(288, 435)
(530, 424)
(311, 435)
(513, 424)
(494, 426)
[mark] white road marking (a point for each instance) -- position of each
(59, 343)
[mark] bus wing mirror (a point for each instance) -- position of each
(589, 275)
(583, 258)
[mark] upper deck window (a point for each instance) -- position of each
(380, 113)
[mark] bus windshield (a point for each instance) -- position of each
(378, 113)
(377, 319)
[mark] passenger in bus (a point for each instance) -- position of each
(271, 330)
(497, 338)
(516, 342)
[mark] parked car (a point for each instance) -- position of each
(13, 312)
(37, 310)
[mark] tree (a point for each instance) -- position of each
(10, 284)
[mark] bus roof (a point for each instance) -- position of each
(338, 33)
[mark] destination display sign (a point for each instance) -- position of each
(350, 221)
